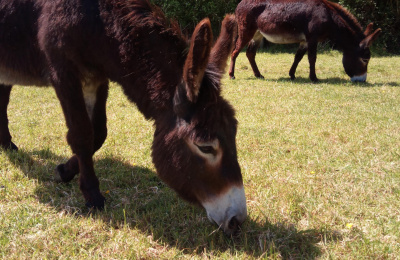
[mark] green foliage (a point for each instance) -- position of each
(384, 13)
(190, 12)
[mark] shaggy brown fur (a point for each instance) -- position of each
(77, 46)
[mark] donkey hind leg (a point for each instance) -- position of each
(66, 172)
(80, 134)
(244, 37)
(312, 58)
(252, 51)
(297, 58)
(5, 136)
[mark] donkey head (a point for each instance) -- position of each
(194, 149)
(355, 60)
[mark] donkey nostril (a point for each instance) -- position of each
(234, 225)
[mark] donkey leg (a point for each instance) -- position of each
(252, 51)
(297, 58)
(244, 37)
(67, 171)
(99, 119)
(80, 134)
(5, 136)
(312, 58)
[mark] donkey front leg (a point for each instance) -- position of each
(244, 37)
(312, 58)
(297, 58)
(80, 134)
(97, 114)
(252, 51)
(5, 136)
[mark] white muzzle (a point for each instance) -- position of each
(228, 210)
(361, 78)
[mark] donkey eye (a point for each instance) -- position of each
(206, 149)
(365, 60)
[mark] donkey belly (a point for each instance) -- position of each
(13, 77)
(284, 22)
(284, 38)
(21, 60)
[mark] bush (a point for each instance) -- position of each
(384, 13)
(190, 12)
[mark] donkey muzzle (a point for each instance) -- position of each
(228, 210)
(361, 78)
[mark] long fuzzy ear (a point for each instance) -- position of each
(197, 59)
(368, 30)
(367, 42)
(225, 43)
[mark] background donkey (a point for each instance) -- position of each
(77, 46)
(306, 22)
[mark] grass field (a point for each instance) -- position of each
(320, 162)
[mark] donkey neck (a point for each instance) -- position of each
(150, 57)
(346, 32)
(151, 74)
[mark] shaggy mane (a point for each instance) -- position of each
(141, 13)
(348, 18)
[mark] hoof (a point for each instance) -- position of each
(61, 175)
(292, 77)
(10, 147)
(13, 147)
(314, 79)
(97, 203)
(260, 76)
(232, 77)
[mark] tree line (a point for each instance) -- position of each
(384, 13)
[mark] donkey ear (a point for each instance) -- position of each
(197, 58)
(368, 30)
(367, 42)
(225, 43)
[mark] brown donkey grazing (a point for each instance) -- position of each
(306, 22)
(77, 46)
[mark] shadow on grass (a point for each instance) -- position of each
(323, 48)
(328, 81)
(372, 85)
(303, 81)
(137, 199)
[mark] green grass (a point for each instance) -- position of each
(320, 162)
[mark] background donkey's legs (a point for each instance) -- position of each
(244, 37)
(252, 51)
(312, 58)
(297, 58)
